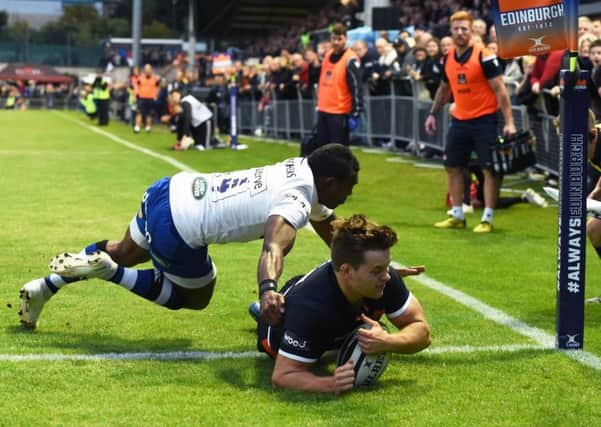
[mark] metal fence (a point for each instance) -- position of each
(390, 118)
(59, 101)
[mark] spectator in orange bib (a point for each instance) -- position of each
(340, 95)
(473, 76)
(147, 91)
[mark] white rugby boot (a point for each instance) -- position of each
(33, 296)
(95, 265)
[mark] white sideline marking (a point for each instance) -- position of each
(211, 355)
(428, 165)
(539, 336)
(542, 338)
(397, 160)
(179, 165)
(509, 348)
(171, 355)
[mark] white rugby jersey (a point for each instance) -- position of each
(200, 112)
(234, 206)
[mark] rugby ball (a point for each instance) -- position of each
(368, 367)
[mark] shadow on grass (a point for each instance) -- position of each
(92, 343)
(261, 381)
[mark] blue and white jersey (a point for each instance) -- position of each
(318, 315)
(234, 206)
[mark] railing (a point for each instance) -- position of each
(387, 118)
(390, 118)
(59, 101)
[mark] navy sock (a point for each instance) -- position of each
(149, 284)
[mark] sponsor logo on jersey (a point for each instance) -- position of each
(230, 184)
(295, 342)
(236, 183)
(290, 168)
(199, 187)
(258, 182)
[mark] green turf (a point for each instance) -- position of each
(64, 186)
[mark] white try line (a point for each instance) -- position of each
(177, 164)
(539, 336)
(542, 338)
(212, 355)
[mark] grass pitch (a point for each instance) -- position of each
(64, 185)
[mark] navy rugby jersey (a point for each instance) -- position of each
(318, 315)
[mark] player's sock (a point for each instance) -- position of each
(149, 284)
(487, 215)
(55, 282)
(598, 249)
(457, 212)
(98, 246)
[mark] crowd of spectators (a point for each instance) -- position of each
(286, 65)
(21, 94)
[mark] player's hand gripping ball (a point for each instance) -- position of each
(368, 367)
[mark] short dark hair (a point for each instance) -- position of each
(354, 236)
(333, 160)
(338, 29)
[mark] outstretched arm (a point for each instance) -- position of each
(289, 373)
(277, 242)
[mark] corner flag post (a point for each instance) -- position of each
(572, 194)
(233, 115)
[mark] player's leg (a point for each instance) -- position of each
(105, 260)
(457, 155)
(182, 277)
(150, 108)
(338, 130)
(491, 190)
(322, 130)
(93, 261)
(484, 134)
(593, 229)
(139, 110)
(201, 135)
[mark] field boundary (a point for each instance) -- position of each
(542, 338)
(215, 355)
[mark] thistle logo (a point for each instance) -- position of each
(538, 47)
